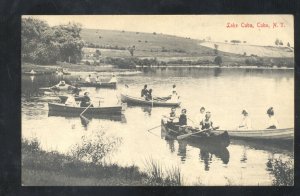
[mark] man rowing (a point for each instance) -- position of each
(144, 91)
(207, 124)
(148, 96)
(86, 100)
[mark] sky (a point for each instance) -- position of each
(193, 26)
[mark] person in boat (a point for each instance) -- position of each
(200, 116)
(76, 90)
(272, 122)
(61, 83)
(149, 95)
(79, 78)
(144, 91)
(88, 79)
(246, 122)
(97, 79)
(182, 118)
(32, 72)
(206, 123)
(113, 79)
(174, 91)
(86, 100)
(172, 115)
(71, 101)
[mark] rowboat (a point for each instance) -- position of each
(62, 108)
(58, 87)
(130, 100)
(112, 117)
(265, 134)
(34, 73)
(218, 139)
(98, 84)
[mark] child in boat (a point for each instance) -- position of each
(272, 123)
(246, 122)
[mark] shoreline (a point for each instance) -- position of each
(108, 69)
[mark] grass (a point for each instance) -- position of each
(158, 177)
(41, 168)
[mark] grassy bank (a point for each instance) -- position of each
(41, 168)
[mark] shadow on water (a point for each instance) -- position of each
(206, 152)
(286, 147)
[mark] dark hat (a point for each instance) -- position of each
(270, 111)
(244, 112)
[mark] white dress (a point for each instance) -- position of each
(246, 124)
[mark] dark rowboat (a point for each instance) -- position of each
(220, 139)
(98, 84)
(163, 102)
(62, 108)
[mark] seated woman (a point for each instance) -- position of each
(246, 122)
(113, 79)
(272, 123)
(85, 101)
(71, 101)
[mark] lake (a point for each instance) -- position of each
(223, 92)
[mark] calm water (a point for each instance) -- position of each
(224, 92)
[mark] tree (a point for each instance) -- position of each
(218, 60)
(277, 42)
(216, 49)
(43, 44)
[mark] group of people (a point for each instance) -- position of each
(90, 79)
(203, 120)
(147, 94)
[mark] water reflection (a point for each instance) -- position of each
(206, 152)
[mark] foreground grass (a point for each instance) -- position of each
(41, 168)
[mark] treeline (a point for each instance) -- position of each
(116, 47)
(42, 44)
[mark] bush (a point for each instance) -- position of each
(218, 60)
(283, 172)
(94, 149)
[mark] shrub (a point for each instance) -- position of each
(94, 149)
(218, 60)
(283, 172)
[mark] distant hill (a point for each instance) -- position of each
(147, 44)
(261, 51)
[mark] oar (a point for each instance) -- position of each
(85, 110)
(189, 134)
(81, 114)
(154, 128)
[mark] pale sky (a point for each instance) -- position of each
(194, 26)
